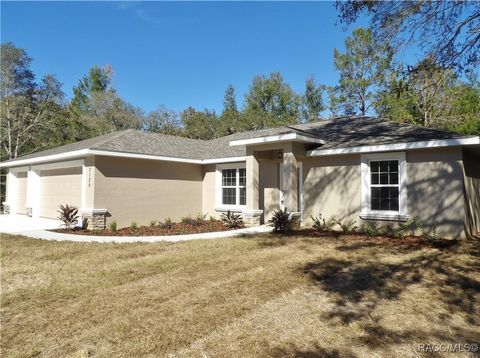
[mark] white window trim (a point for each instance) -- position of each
(218, 187)
(367, 213)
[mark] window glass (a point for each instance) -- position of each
(242, 177)
(233, 186)
(384, 189)
(228, 196)
(229, 177)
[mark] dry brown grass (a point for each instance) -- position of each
(263, 297)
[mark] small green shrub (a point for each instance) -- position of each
(133, 225)
(348, 227)
(167, 224)
(68, 215)
(283, 221)
(232, 220)
(113, 226)
(212, 218)
(188, 220)
(372, 229)
(320, 224)
(200, 220)
(431, 235)
(153, 223)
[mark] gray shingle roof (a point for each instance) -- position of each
(337, 133)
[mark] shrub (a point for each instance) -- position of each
(68, 215)
(153, 223)
(431, 235)
(167, 224)
(212, 218)
(232, 220)
(113, 226)
(188, 220)
(133, 225)
(348, 227)
(320, 224)
(403, 229)
(283, 221)
(200, 220)
(371, 229)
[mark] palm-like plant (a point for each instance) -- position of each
(68, 215)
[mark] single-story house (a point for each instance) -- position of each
(356, 168)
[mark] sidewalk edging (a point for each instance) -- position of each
(56, 236)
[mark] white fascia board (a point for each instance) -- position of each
(277, 138)
(396, 146)
(89, 152)
(223, 160)
(47, 158)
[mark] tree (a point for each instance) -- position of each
(362, 71)
(98, 80)
(229, 101)
(98, 108)
(27, 108)
(432, 96)
(231, 119)
(334, 101)
(162, 121)
(270, 102)
(200, 125)
(446, 31)
(312, 100)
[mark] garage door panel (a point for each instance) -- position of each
(59, 186)
(21, 193)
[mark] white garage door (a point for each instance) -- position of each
(21, 192)
(59, 186)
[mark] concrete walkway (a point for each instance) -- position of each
(12, 224)
(49, 235)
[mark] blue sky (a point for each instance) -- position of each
(177, 54)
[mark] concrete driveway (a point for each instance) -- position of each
(12, 224)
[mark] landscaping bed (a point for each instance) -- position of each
(406, 241)
(154, 230)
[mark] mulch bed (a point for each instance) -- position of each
(173, 229)
(406, 242)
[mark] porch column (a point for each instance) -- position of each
(290, 181)
(33, 193)
(95, 217)
(252, 214)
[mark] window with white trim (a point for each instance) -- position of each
(384, 186)
(232, 191)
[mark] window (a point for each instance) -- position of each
(384, 186)
(232, 187)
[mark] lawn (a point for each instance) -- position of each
(242, 297)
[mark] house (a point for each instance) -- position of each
(355, 168)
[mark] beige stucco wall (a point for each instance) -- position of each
(143, 190)
(332, 187)
(269, 194)
(208, 190)
(434, 188)
(471, 163)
